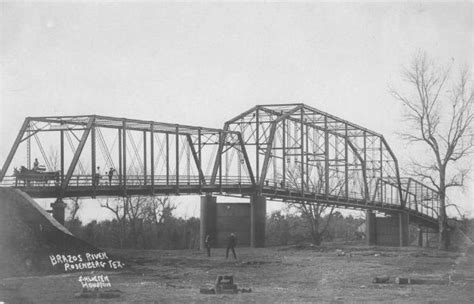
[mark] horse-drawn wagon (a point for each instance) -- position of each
(37, 175)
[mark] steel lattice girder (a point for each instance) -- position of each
(281, 149)
(193, 138)
(316, 141)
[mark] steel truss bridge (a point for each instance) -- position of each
(286, 152)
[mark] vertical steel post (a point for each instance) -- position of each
(124, 146)
(188, 164)
(346, 160)
(302, 150)
(95, 174)
(366, 188)
(167, 159)
(432, 205)
(226, 165)
(307, 156)
(177, 158)
(144, 159)
(381, 170)
(200, 160)
(391, 194)
(61, 139)
(120, 172)
(416, 198)
(28, 149)
(221, 140)
(217, 162)
(152, 158)
(326, 156)
(274, 162)
(257, 144)
(283, 182)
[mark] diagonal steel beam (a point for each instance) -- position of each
(14, 148)
(364, 167)
(267, 155)
(403, 202)
(218, 162)
(246, 158)
(75, 159)
(196, 159)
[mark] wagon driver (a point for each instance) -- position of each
(36, 164)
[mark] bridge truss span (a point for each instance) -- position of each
(287, 152)
(144, 156)
(300, 153)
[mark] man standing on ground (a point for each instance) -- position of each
(207, 242)
(231, 242)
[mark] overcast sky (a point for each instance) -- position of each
(202, 64)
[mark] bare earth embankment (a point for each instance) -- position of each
(327, 274)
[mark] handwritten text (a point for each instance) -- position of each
(85, 262)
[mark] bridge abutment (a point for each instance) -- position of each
(258, 214)
(420, 236)
(403, 230)
(219, 222)
(370, 231)
(387, 231)
(208, 220)
(59, 210)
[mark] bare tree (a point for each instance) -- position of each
(313, 212)
(74, 208)
(136, 215)
(158, 208)
(132, 211)
(440, 111)
(119, 207)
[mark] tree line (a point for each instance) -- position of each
(150, 223)
(139, 223)
(298, 227)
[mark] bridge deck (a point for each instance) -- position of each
(286, 152)
(82, 186)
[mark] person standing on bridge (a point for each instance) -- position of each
(36, 164)
(96, 178)
(111, 175)
(231, 242)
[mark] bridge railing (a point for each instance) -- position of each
(419, 198)
(130, 181)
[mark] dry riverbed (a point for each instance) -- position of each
(326, 274)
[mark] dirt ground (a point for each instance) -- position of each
(327, 274)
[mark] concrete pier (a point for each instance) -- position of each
(403, 222)
(258, 213)
(208, 219)
(370, 232)
(59, 210)
(391, 230)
